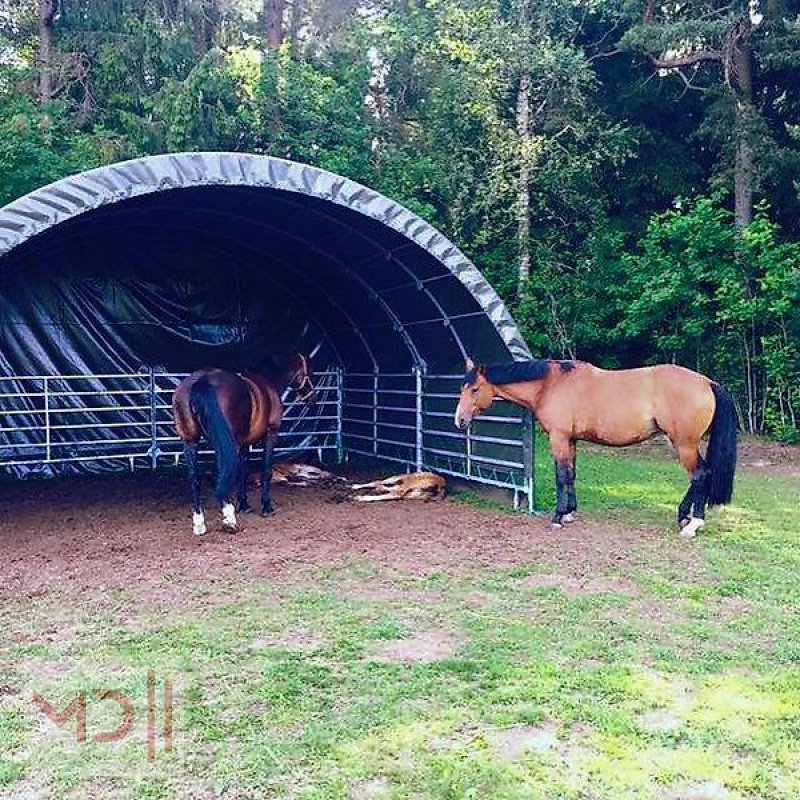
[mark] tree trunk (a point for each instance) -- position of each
(294, 27)
(523, 188)
(47, 13)
(743, 167)
(273, 23)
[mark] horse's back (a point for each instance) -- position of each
(624, 406)
(232, 395)
(609, 406)
(665, 397)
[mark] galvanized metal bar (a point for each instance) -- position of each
(382, 456)
(151, 386)
(528, 459)
(484, 417)
(419, 378)
(497, 462)
(339, 416)
(474, 437)
(401, 409)
(376, 379)
(47, 418)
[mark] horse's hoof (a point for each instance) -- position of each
(682, 523)
(689, 531)
(268, 512)
(555, 526)
(245, 509)
(568, 517)
(230, 528)
(200, 531)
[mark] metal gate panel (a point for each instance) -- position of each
(408, 418)
(47, 421)
(52, 420)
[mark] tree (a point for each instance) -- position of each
(273, 23)
(47, 15)
(717, 47)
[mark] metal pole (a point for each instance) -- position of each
(151, 385)
(469, 452)
(528, 457)
(375, 381)
(419, 379)
(46, 390)
(339, 415)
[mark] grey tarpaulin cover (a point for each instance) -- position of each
(192, 259)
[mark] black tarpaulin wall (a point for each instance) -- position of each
(194, 259)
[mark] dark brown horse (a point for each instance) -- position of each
(574, 400)
(232, 412)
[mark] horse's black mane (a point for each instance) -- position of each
(517, 371)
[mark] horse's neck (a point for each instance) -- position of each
(527, 394)
(277, 378)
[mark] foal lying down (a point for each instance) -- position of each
(415, 486)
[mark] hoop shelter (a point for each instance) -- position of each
(117, 281)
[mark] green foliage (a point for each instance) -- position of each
(702, 293)
(38, 146)
(419, 100)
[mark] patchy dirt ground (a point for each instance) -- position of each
(89, 537)
(93, 535)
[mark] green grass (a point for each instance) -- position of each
(691, 678)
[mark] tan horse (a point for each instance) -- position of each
(232, 412)
(575, 401)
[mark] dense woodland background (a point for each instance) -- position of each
(626, 173)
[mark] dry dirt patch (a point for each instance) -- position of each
(301, 639)
(425, 647)
(513, 742)
(372, 789)
(700, 791)
(574, 586)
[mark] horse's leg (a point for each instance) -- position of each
(572, 499)
(560, 446)
(243, 505)
(266, 473)
(685, 506)
(198, 518)
(692, 509)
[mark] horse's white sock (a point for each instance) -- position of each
(689, 530)
(229, 516)
(198, 523)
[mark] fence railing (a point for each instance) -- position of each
(404, 417)
(408, 418)
(52, 420)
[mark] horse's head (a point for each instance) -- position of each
(300, 379)
(477, 394)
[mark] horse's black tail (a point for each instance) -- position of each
(205, 406)
(721, 455)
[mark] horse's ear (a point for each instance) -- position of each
(470, 364)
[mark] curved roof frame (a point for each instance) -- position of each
(337, 263)
(70, 197)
